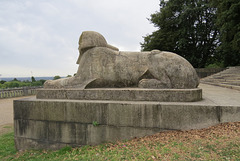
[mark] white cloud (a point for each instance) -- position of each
(42, 36)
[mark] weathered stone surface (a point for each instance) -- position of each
(123, 94)
(101, 134)
(184, 117)
(230, 114)
(89, 135)
(22, 143)
(102, 65)
(153, 83)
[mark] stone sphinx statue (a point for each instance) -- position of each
(103, 66)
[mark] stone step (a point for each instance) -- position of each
(223, 85)
(226, 78)
(227, 75)
(232, 83)
(232, 80)
(213, 80)
(221, 80)
(236, 78)
(217, 77)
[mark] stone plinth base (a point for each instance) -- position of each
(52, 124)
(123, 94)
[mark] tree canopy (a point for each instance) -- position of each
(192, 28)
(228, 23)
(16, 83)
(33, 79)
(56, 77)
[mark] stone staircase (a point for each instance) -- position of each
(229, 78)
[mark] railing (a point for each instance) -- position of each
(17, 92)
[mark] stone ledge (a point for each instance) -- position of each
(132, 114)
(123, 94)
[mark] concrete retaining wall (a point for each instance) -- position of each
(204, 72)
(52, 124)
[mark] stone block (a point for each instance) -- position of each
(39, 110)
(86, 112)
(100, 134)
(135, 115)
(31, 129)
(230, 114)
(184, 117)
(22, 143)
(62, 132)
(67, 133)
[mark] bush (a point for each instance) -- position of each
(2, 82)
(215, 65)
(2, 86)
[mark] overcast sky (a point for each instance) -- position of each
(40, 37)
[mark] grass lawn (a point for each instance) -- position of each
(221, 142)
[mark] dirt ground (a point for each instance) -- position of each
(6, 114)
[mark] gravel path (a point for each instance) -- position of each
(6, 113)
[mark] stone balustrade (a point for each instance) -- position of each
(17, 92)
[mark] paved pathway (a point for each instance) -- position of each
(6, 113)
(220, 96)
(6, 110)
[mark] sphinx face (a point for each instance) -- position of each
(80, 54)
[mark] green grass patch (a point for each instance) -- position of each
(136, 149)
(7, 145)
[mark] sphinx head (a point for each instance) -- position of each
(91, 39)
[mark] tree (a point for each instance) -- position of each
(2, 81)
(37, 83)
(33, 79)
(186, 27)
(228, 22)
(15, 79)
(56, 77)
(42, 81)
(12, 84)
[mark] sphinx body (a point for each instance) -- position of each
(102, 65)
